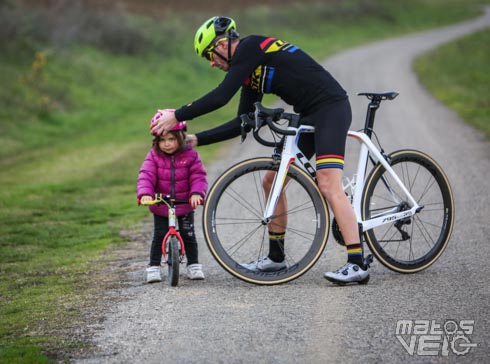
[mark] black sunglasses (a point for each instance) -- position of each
(208, 52)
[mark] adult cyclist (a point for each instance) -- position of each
(259, 65)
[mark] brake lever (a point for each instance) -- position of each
(258, 119)
(247, 123)
(243, 132)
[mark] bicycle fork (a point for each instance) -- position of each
(172, 231)
(288, 156)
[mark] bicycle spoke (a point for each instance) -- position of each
(390, 239)
(296, 210)
(424, 222)
(390, 200)
(428, 186)
(302, 233)
(234, 221)
(440, 209)
(235, 247)
(259, 190)
(425, 234)
(244, 203)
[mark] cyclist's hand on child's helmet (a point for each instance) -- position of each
(196, 200)
(163, 121)
(191, 139)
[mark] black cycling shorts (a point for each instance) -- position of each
(332, 122)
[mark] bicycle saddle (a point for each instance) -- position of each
(380, 96)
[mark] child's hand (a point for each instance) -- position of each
(146, 198)
(196, 200)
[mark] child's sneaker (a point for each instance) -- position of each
(194, 271)
(153, 274)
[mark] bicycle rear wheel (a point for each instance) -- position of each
(173, 260)
(412, 244)
(236, 234)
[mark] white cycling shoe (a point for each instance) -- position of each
(265, 264)
(348, 273)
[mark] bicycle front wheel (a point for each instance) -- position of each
(236, 233)
(412, 244)
(173, 261)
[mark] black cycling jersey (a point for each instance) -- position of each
(263, 65)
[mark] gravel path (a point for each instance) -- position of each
(224, 320)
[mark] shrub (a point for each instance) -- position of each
(67, 22)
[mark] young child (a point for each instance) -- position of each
(173, 168)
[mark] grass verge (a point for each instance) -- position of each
(463, 83)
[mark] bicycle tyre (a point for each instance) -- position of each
(235, 233)
(428, 231)
(173, 261)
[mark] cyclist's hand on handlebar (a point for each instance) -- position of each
(191, 139)
(196, 200)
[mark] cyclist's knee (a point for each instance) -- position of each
(330, 183)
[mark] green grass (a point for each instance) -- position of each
(74, 131)
(463, 83)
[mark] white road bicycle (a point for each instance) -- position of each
(404, 205)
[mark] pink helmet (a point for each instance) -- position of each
(181, 125)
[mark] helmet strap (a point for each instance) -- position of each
(229, 48)
(229, 38)
(222, 57)
(227, 60)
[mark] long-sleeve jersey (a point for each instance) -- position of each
(263, 65)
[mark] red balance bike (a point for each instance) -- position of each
(173, 250)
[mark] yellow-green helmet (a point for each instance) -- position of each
(212, 28)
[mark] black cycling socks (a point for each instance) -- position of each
(355, 254)
(276, 246)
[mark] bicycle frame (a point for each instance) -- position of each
(172, 225)
(172, 231)
(292, 154)
(403, 202)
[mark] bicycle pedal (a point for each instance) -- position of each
(368, 260)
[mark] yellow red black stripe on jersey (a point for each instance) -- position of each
(270, 45)
(262, 76)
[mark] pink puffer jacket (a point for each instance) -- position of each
(184, 170)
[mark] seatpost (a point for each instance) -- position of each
(370, 114)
